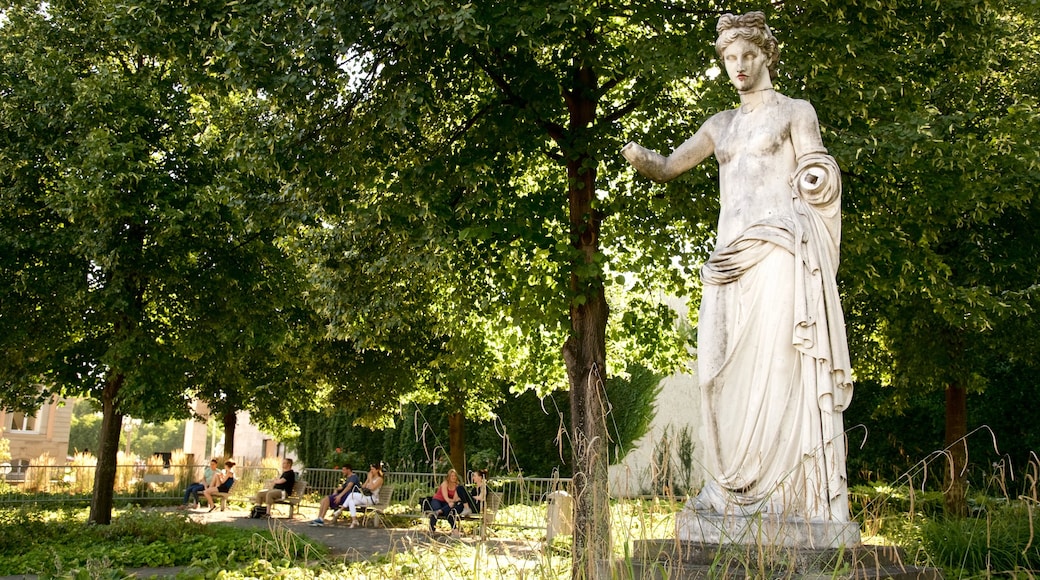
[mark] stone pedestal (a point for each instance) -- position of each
(764, 530)
(674, 560)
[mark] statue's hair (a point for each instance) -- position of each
(751, 27)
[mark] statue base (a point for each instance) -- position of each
(674, 560)
(764, 530)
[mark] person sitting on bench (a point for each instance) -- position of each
(191, 494)
(279, 488)
(473, 499)
(367, 495)
(336, 499)
(446, 502)
(221, 483)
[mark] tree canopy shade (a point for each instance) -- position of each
(465, 209)
(485, 108)
(479, 127)
(137, 257)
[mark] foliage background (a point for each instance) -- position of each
(527, 434)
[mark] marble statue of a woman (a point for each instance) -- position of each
(773, 360)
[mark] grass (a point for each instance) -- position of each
(997, 541)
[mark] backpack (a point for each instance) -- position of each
(258, 511)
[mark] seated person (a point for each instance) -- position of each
(335, 500)
(221, 483)
(191, 494)
(473, 500)
(446, 502)
(367, 495)
(278, 488)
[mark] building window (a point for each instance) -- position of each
(25, 422)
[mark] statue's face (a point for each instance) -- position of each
(746, 65)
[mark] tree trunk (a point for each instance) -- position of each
(457, 442)
(230, 420)
(585, 357)
(955, 503)
(585, 350)
(108, 453)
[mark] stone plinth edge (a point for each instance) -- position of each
(764, 530)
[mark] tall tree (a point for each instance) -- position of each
(497, 136)
(479, 132)
(118, 208)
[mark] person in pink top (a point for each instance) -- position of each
(447, 502)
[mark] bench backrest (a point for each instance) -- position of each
(492, 502)
(298, 488)
(386, 492)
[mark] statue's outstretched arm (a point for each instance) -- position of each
(663, 169)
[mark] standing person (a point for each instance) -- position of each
(473, 500)
(221, 483)
(278, 488)
(446, 502)
(335, 500)
(191, 494)
(368, 494)
(773, 359)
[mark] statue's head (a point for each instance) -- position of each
(751, 27)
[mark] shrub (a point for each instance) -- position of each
(53, 543)
(1000, 540)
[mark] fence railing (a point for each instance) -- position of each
(523, 498)
(138, 483)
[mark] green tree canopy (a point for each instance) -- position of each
(136, 247)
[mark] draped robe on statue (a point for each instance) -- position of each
(773, 358)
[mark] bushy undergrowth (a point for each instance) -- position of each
(62, 544)
(1000, 541)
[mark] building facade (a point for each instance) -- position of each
(32, 435)
(204, 440)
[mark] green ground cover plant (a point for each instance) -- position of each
(61, 544)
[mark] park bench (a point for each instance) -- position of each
(486, 517)
(386, 493)
(293, 499)
(222, 495)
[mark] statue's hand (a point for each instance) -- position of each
(635, 155)
(631, 152)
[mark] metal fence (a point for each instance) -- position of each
(524, 499)
(145, 482)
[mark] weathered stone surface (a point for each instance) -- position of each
(764, 529)
(773, 361)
